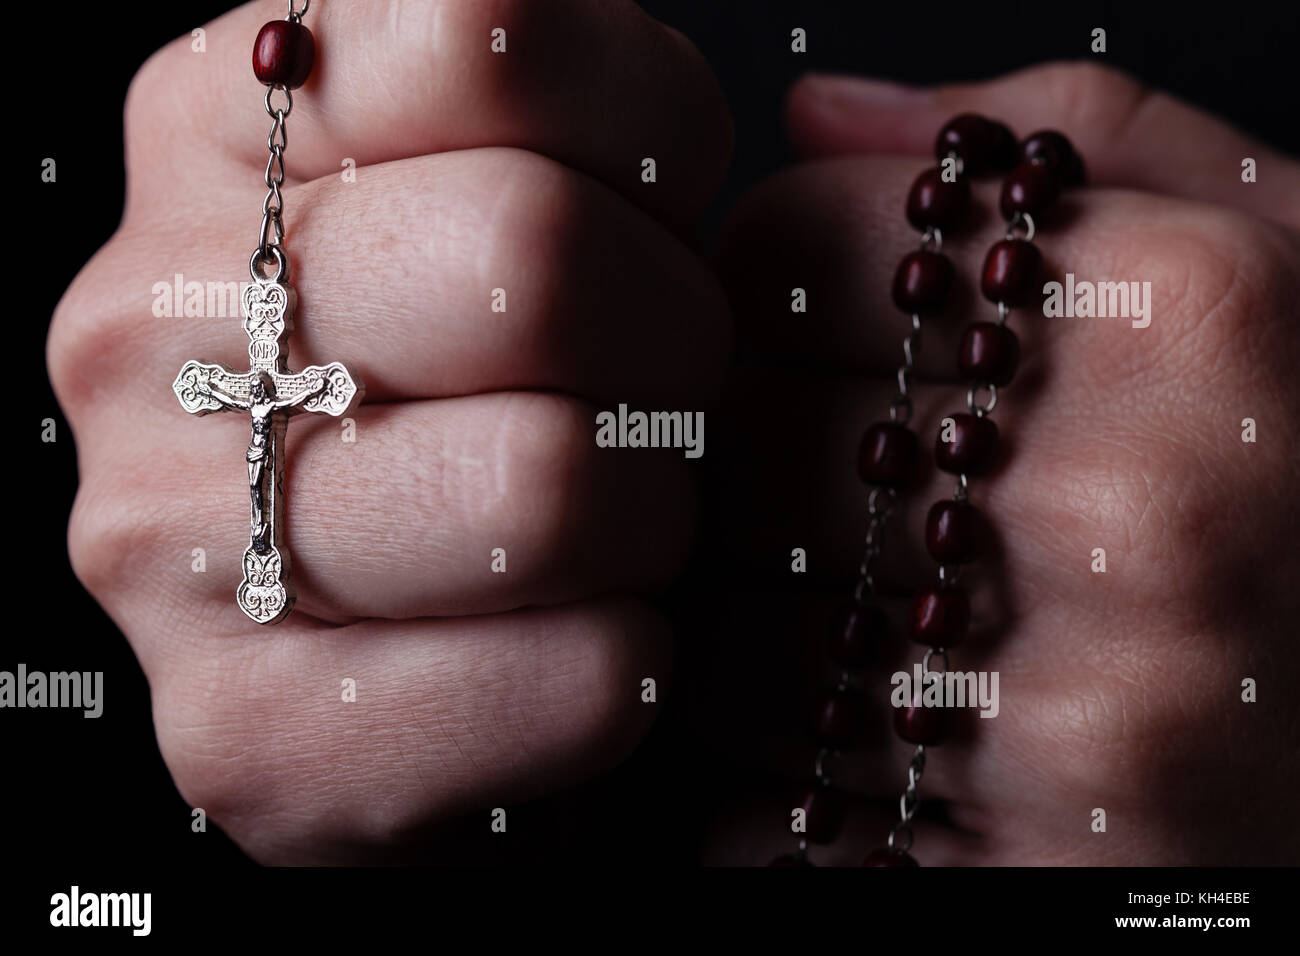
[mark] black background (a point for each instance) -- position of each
(94, 793)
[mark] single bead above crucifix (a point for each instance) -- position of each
(269, 393)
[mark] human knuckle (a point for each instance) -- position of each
(203, 755)
(218, 741)
(264, 765)
(1117, 731)
(150, 84)
(1222, 282)
(1101, 726)
(1262, 262)
(76, 341)
(1137, 493)
(95, 329)
(1090, 95)
(109, 528)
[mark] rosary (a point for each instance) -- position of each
(268, 392)
(939, 618)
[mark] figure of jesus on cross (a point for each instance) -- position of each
(269, 393)
(261, 406)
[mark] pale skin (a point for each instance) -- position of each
(478, 689)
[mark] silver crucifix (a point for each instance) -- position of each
(269, 393)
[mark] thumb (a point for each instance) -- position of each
(1129, 135)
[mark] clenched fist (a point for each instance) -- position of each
(475, 170)
(1121, 691)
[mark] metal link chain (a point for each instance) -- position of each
(1021, 220)
(878, 512)
(881, 504)
(819, 765)
(900, 835)
(900, 409)
(270, 237)
(972, 394)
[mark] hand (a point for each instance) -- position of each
(1122, 690)
(475, 171)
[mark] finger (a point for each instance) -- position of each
(450, 717)
(594, 84)
(457, 506)
(1128, 135)
(511, 272)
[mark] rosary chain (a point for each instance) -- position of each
(900, 412)
(881, 504)
(271, 235)
(900, 835)
(981, 399)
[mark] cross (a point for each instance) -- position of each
(269, 393)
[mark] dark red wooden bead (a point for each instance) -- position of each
(823, 813)
(839, 718)
(1057, 153)
(952, 532)
(922, 281)
(922, 725)
(887, 454)
(940, 617)
(934, 202)
(791, 860)
(974, 446)
(283, 54)
(989, 353)
(984, 145)
(1012, 271)
(857, 634)
(1030, 188)
(887, 857)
